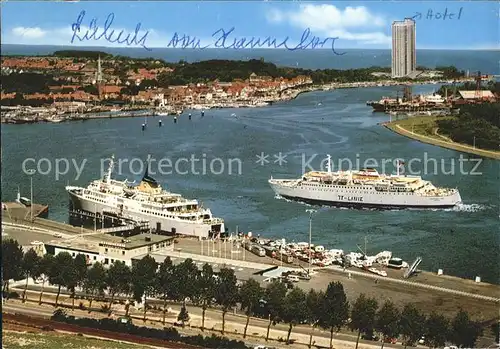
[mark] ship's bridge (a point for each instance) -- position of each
(408, 180)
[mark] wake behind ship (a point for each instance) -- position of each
(146, 202)
(365, 188)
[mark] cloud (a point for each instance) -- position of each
(29, 33)
(353, 23)
(62, 37)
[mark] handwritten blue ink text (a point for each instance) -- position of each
(224, 40)
(431, 15)
(107, 33)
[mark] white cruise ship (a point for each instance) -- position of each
(365, 188)
(146, 202)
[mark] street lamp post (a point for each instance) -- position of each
(311, 212)
(31, 173)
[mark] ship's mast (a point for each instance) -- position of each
(329, 164)
(107, 179)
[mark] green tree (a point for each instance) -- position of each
(411, 324)
(143, 280)
(206, 290)
(95, 282)
(314, 302)
(363, 313)
(436, 330)
(164, 282)
(44, 271)
(62, 272)
(495, 330)
(464, 332)
(273, 302)
(183, 316)
(335, 309)
(226, 292)
(80, 273)
(250, 295)
(118, 280)
(185, 281)
(294, 309)
(30, 268)
(12, 257)
(387, 321)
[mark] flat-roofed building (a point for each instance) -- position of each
(108, 249)
(481, 94)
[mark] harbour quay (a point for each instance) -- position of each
(427, 290)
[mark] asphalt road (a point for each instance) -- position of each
(211, 314)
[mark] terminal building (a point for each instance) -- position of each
(108, 249)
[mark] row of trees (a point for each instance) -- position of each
(229, 70)
(329, 310)
(476, 124)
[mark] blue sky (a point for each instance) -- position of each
(356, 24)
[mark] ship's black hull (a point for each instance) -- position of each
(358, 205)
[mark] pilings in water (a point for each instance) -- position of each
(114, 223)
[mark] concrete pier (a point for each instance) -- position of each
(17, 211)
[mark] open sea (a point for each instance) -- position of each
(463, 241)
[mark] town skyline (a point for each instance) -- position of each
(362, 25)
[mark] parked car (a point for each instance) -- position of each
(390, 340)
(125, 319)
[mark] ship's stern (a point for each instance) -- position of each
(457, 199)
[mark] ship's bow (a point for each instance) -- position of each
(75, 198)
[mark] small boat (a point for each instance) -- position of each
(378, 272)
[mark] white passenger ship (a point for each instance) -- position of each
(365, 188)
(146, 202)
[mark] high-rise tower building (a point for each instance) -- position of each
(404, 55)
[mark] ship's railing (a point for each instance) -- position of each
(441, 192)
(213, 221)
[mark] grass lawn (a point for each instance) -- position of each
(422, 125)
(52, 340)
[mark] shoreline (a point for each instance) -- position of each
(148, 110)
(396, 128)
